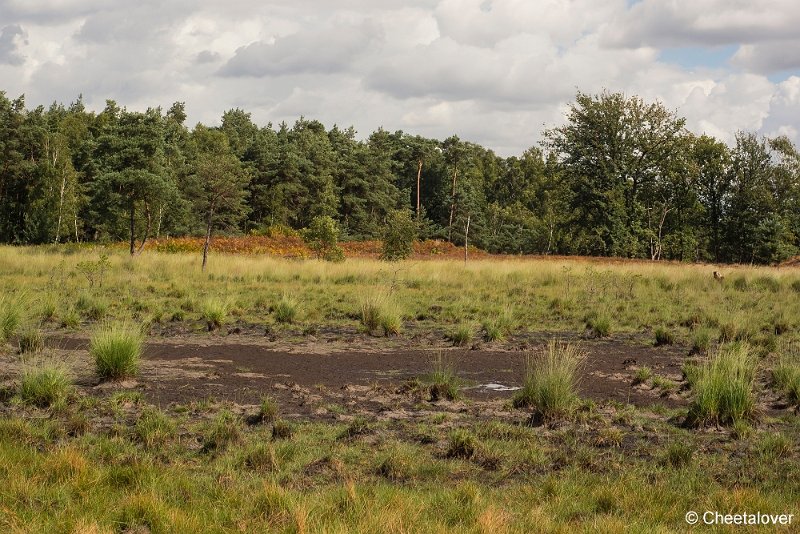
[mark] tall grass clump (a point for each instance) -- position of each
(378, 313)
(723, 387)
(30, 340)
(286, 310)
(215, 313)
(786, 374)
(116, 348)
(10, 317)
(44, 386)
(551, 381)
(443, 380)
(461, 335)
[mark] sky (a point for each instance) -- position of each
(494, 72)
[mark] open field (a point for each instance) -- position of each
(303, 396)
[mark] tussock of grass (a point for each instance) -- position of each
(44, 386)
(396, 464)
(116, 349)
(444, 383)
(461, 444)
(701, 341)
(551, 380)
(154, 428)
(261, 458)
(286, 310)
(786, 373)
(723, 387)
(598, 325)
(10, 317)
(664, 337)
(30, 340)
(461, 335)
(282, 429)
(643, 374)
(679, 454)
(268, 410)
(377, 312)
(223, 431)
(215, 313)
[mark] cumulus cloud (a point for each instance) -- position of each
(496, 72)
(11, 37)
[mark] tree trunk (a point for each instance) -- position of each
(466, 240)
(452, 206)
(208, 237)
(61, 206)
(146, 229)
(419, 177)
(133, 227)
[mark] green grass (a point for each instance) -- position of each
(724, 387)
(786, 374)
(44, 386)
(268, 410)
(550, 381)
(286, 310)
(116, 349)
(599, 325)
(461, 335)
(10, 317)
(443, 382)
(154, 428)
(30, 340)
(377, 312)
(664, 336)
(215, 313)
(642, 375)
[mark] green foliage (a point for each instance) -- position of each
(398, 236)
(116, 349)
(599, 325)
(44, 386)
(322, 237)
(94, 271)
(267, 410)
(723, 388)
(378, 311)
(549, 385)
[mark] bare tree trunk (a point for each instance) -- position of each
(158, 225)
(146, 229)
(466, 240)
(60, 198)
(419, 178)
(452, 206)
(133, 228)
(208, 237)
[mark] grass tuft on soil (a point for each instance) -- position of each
(116, 349)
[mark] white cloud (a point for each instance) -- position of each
(495, 72)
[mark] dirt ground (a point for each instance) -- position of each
(337, 375)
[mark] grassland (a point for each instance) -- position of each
(85, 454)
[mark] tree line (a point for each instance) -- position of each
(621, 177)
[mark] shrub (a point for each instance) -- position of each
(154, 428)
(443, 380)
(116, 349)
(286, 310)
(322, 237)
(399, 235)
(664, 337)
(724, 387)
(461, 336)
(31, 340)
(44, 386)
(215, 313)
(551, 380)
